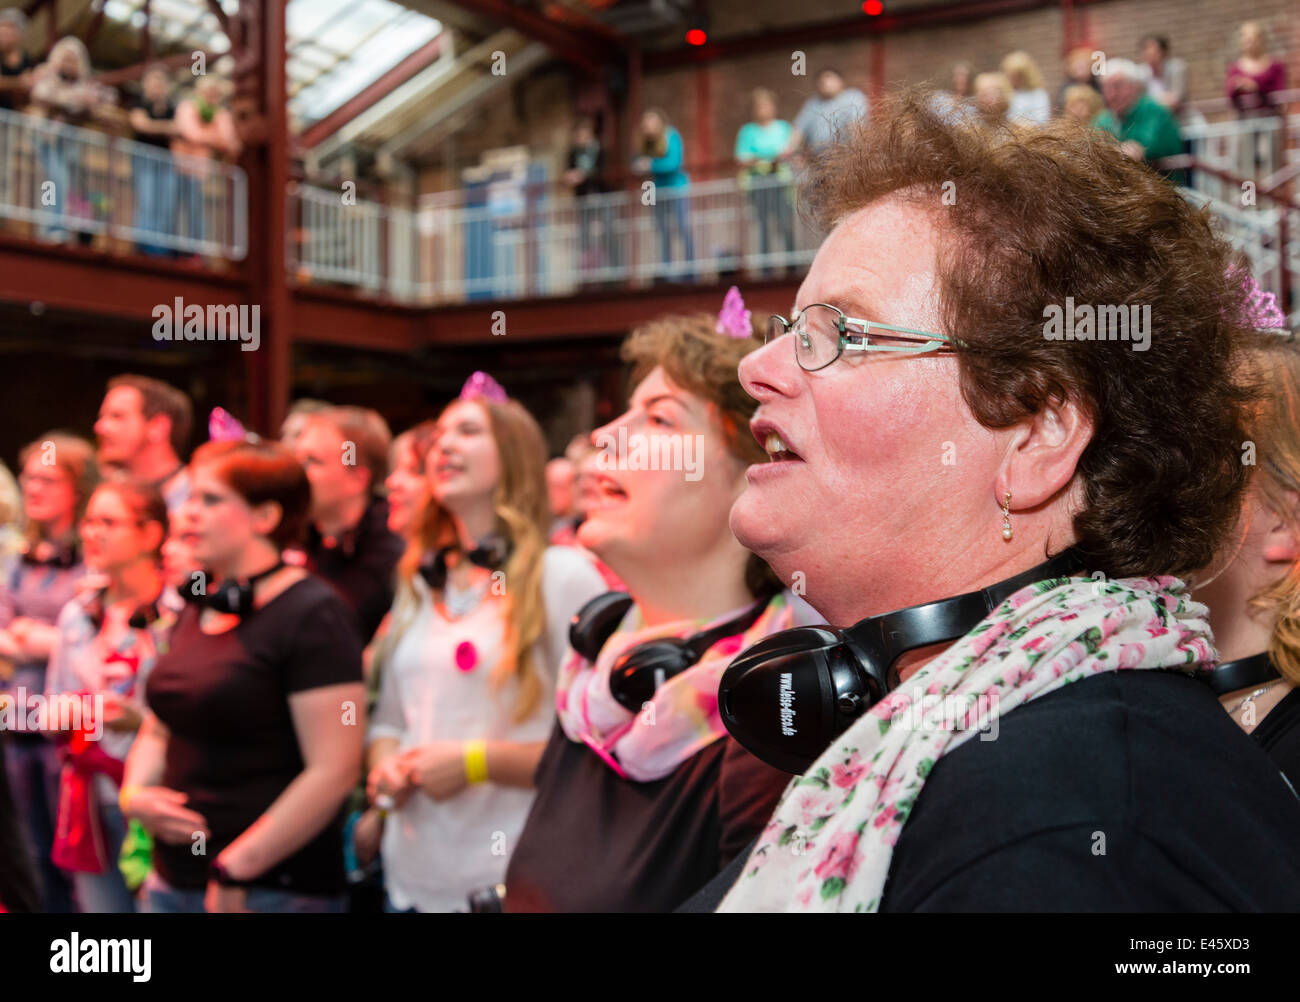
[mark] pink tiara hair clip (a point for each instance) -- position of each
(733, 319)
(481, 386)
(1262, 309)
(225, 427)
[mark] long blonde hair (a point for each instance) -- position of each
(520, 506)
(1277, 448)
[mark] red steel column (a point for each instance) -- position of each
(268, 180)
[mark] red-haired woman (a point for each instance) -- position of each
(476, 638)
(257, 711)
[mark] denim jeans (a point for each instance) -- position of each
(189, 206)
(772, 205)
(162, 899)
(32, 765)
(672, 212)
(155, 202)
(106, 893)
(60, 159)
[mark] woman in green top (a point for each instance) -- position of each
(765, 172)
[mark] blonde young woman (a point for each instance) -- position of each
(1254, 598)
(481, 623)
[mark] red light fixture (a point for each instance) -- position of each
(873, 7)
(696, 36)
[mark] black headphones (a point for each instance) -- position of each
(59, 555)
(639, 672)
(1242, 673)
(491, 553)
(143, 616)
(234, 597)
(790, 695)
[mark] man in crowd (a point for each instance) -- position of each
(345, 453)
(1145, 129)
(827, 112)
(143, 430)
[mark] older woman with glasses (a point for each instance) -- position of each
(994, 509)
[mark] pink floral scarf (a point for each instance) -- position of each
(683, 717)
(828, 846)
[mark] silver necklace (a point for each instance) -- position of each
(1251, 698)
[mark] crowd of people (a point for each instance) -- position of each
(919, 606)
(182, 126)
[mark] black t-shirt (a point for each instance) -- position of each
(361, 566)
(233, 749)
(15, 70)
(1144, 765)
(159, 113)
(594, 842)
(1279, 735)
(590, 158)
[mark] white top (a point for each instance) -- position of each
(435, 853)
(1031, 106)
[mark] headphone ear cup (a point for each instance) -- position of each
(638, 673)
(596, 622)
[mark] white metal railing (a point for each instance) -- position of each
(1252, 148)
(64, 180)
(514, 247)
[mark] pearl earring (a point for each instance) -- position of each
(1006, 518)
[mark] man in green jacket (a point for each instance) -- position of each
(1146, 129)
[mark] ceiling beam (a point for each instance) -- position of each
(591, 51)
(418, 60)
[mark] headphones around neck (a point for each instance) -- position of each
(61, 555)
(640, 671)
(1242, 673)
(491, 553)
(234, 596)
(141, 618)
(790, 695)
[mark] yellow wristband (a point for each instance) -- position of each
(476, 770)
(126, 793)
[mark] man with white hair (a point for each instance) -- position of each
(1146, 129)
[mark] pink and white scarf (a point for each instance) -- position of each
(681, 720)
(829, 845)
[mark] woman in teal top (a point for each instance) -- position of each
(662, 157)
(765, 172)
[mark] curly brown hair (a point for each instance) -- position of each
(699, 360)
(1032, 216)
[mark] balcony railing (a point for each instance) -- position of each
(513, 246)
(57, 181)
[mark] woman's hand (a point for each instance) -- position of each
(390, 778)
(438, 768)
(220, 898)
(160, 810)
(367, 834)
(121, 714)
(641, 165)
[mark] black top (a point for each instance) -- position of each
(360, 566)
(590, 158)
(1144, 765)
(233, 750)
(159, 113)
(1279, 735)
(596, 843)
(15, 70)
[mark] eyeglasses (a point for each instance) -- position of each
(823, 332)
(108, 524)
